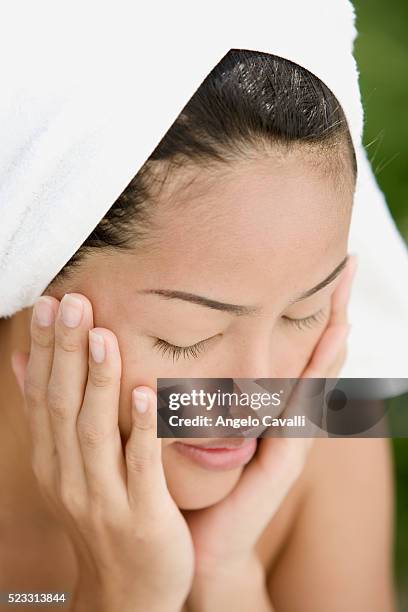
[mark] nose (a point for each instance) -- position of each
(258, 369)
(253, 359)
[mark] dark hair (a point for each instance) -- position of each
(251, 101)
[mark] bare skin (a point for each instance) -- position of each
(270, 545)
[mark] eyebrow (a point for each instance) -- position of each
(237, 309)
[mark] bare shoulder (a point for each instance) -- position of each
(348, 484)
(365, 461)
(340, 540)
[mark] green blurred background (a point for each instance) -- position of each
(381, 51)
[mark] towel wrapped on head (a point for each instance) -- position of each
(82, 109)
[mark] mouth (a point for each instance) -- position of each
(219, 455)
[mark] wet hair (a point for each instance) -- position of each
(249, 105)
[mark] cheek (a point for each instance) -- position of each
(294, 352)
(143, 365)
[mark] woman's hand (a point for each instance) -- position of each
(225, 534)
(133, 546)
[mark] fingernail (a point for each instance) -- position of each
(43, 312)
(71, 310)
(140, 400)
(97, 346)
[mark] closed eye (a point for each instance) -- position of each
(307, 322)
(186, 352)
(195, 350)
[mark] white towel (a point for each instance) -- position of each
(89, 89)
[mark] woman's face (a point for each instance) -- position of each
(259, 234)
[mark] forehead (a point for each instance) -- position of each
(277, 221)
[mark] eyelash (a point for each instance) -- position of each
(196, 349)
(307, 322)
(186, 351)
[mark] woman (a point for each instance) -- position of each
(246, 202)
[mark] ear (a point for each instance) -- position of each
(19, 362)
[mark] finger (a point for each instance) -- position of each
(67, 385)
(35, 386)
(19, 361)
(267, 478)
(97, 425)
(307, 396)
(327, 351)
(143, 452)
(338, 363)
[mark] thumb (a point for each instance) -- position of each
(19, 362)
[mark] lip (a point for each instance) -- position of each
(219, 455)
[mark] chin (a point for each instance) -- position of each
(193, 487)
